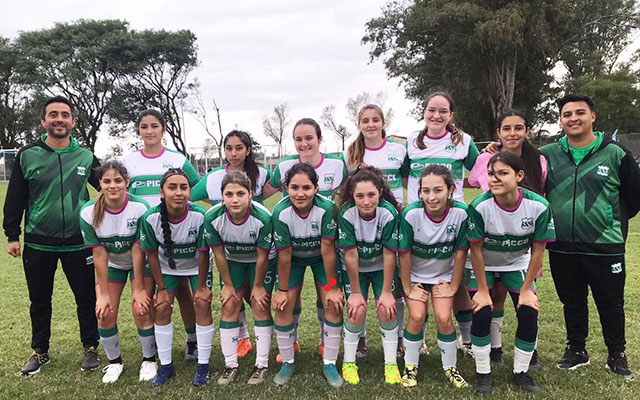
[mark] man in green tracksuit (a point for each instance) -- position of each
(49, 185)
(593, 186)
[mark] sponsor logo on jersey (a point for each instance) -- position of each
(253, 235)
(81, 171)
(342, 235)
(616, 268)
(390, 177)
(450, 148)
(185, 250)
(267, 239)
(526, 223)
(328, 179)
(117, 245)
(471, 225)
(330, 225)
(395, 236)
(146, 183)
(314, 226)
(277, 237)
(603, 170)
(167, 165)
(417, 165)
(392, 158)
(507, 242)
(193, 231)
(451, 230)
(132, 223)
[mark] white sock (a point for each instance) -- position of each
(400, 315)
(205, 335)
(284, 336)
(351, 338)
(244, 329)
(332, 342)
(389, 333)
(521, 360)
(263, 341)
(483, 361)
(465, 331)
(164, 342)
(412, 349)
(320, 315)
(448, 350)
(147, 342)
(110, 340)
(229, 332)
(363, 334)
(496, 329)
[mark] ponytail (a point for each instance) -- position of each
(532, 167)
(166, 233)
(98, 210)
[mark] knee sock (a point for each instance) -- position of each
(448, 349)
(526, 335)
(164, 342)
(147, 342)
(263, 331)
(110, 340)
(351, 338)
(242, 319)
(412, 345)
(496, 328)
(332, 341)
(389, 331)
(205, 335)
(464, 325)
(229, 332)
(284, 336)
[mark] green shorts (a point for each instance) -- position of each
(374, 279)
(119, 276)
(513, 280)
(243, 272)
(171, 282)
(296, 276)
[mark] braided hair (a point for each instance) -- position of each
(164, 216)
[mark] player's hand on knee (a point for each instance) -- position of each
(528, 298)
(480, 300)
(387, 305)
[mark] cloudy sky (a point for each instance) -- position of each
(253, 54)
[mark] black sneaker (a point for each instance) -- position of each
(90, 360)
(617, 364)
(524, 380)
(35, 363)
(573, 359)
(535, 364)
(483, 383)
(496, 356)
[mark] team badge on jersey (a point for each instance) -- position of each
(314, 226)
(392, 158)
(253, 235)
(451, 230)
(193, 231)
(616, 268)
(82, 171)
(328, 179)
(167, 165)
(330, 225)
(603, 170)
(132, 223)
(526, 224)
(450, 148)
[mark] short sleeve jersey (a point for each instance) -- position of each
(433, 244)
(369, 236)
(117, 232)
(508, 234)
(241, 240)
(210, 185)
(304, 234)
(439, 151)
(391, 159)
(145, 172)
(187, 236)
(331, 171)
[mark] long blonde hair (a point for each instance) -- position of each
(456, 133)
(355, 151)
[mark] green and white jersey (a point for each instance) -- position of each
(117, 232)
(433, 244)
(304, 234)
(509, 234)
(440, 151)
(331, 171)
(187, 236)
(145, 172)
(210, 185)
(369, 236)
(391, 159)
(242, 240)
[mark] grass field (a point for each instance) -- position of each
(62, 378)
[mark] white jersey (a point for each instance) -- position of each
(509, 234)
(116, 233)
(433, 245)
(368, 236)
(145, 172)
(210, 185)
(187, 236)
(440, 151)
(391, 159)
(331, 173)
(242, 240)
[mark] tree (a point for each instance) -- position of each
(276, 125)
(355, 104)
(328, 119)
(199, 111)
(84, 62)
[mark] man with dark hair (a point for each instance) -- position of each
(49, 185)
(593, 188)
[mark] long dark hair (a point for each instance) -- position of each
(355, 151)
(366, 174)
(513, 161)
(456, 133)
(250, 166)
(164, 216)
(100, 203)
(530, 155)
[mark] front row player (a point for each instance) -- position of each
(433, 249)
(172, 235)
(109, 226)
(240, 232)
(368, 243)
(304, 230)
(508, 230)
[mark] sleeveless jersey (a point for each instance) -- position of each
(187, 236)
(331, 173)
(210, 185)
(433, 245)
(368, 236)
(440, 151)
(145, 172)
(509, 234)
(117, 232)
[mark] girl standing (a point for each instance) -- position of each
(239, 231)
(508, 230)
(433, 250)
(109, 227)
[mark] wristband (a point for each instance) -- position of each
(283, 290)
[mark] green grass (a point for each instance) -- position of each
(63, 379)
